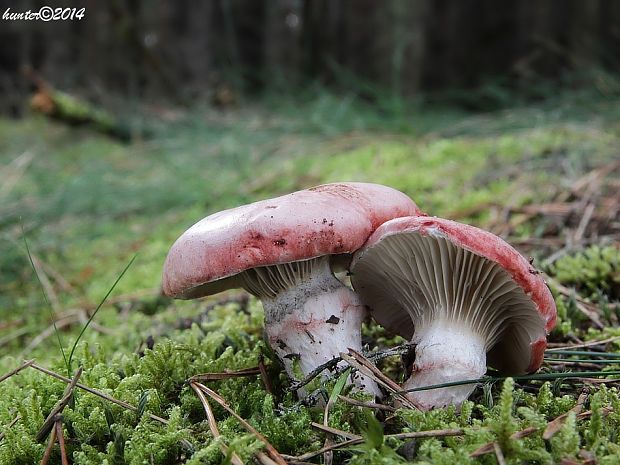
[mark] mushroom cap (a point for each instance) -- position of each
(446, 271)
(324, 220)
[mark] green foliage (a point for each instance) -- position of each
(374, 450)
(595, 270)
(505, 425)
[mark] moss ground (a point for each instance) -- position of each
(86, 205)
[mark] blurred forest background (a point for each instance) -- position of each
(182, 50)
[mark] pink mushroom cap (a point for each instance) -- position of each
(388, 310)
(331, 219)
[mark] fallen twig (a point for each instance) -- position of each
(98, 393)
(225, 375)
(273, 453)
(583, 306)
(314, 373)
(552, 427)
(61, 441)
(213, 424)
(560, 346)
(499, 454)
(362, 364)
(50, 445)
(372, 405)
(331, 364)
(26, 364)
(413, 435)
(10, 425)
(490, 446)
(556, 424)
(58, 408)
(334, 431)
(186, 444)
(264, 375)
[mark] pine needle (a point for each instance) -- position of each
(275, 455)
(26, 364)
(535, 377)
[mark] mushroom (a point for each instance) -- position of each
(462, 295)
(282, 251)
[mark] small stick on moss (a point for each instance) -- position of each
(555, 364)
(50, 445)
(599, 381)
(583, 223)
(402, 349)
(52, 418)
(264, 459)
(264, 375)
(186, 444)
(275, 455)
(499, 454)
(225, 375)
(95, 392)
(292, 461)
(314, 373)
(560, 346)
(372, 405)
(10, 425)
(331, 364)
(587, 414)
(435, 433)
(586, 353)
(26, 364)
(584, 307)
(578, 375)
(362, 364)
(213, 425)
(334, 431)
(490, 446)
(61, 440)
(556, 424)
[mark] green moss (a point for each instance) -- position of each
(88, 204)
(595, 272)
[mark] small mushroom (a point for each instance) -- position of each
(282, 250)
(462, 295)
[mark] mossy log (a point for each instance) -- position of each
(66, 108)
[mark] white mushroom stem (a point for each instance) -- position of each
(446, 351)
(311, 320)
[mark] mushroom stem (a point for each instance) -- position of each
(446, 351)
(313, 319)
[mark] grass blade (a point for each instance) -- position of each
(583, 352)
(92, 316)
(47, 302)
(534, 377)
(581, 360)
